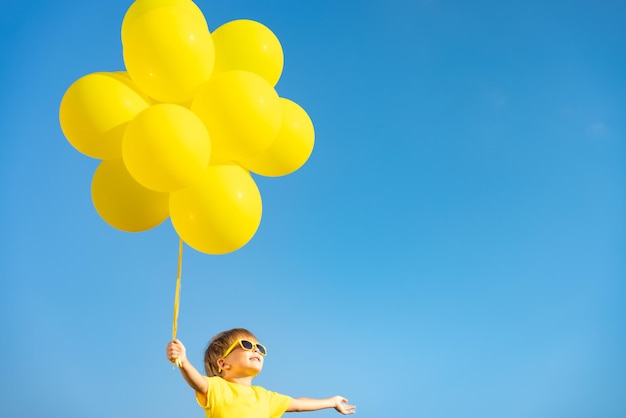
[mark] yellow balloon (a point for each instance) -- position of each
(122, 202)
(250, 46)
(166, 147)
(140, 7)
(168, 53)
(220, 213)
(95, 110)
(242, 113)
(292, 146)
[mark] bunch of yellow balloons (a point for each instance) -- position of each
(181, 129)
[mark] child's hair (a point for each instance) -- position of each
(218, 346)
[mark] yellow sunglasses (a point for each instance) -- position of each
(246, 345)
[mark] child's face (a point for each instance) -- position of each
(242, 362)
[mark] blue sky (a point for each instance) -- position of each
(454, 247)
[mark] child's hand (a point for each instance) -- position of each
(341, 405)
(175, 350)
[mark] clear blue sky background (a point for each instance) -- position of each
(453, 248)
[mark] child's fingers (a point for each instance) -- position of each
(173, 351)
(178, 344)
(348, 409)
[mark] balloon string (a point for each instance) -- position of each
(177, 296)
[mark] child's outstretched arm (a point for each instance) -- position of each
(307, 404)
(176, 350)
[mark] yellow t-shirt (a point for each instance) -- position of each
(232, 400)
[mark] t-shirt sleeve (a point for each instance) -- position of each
(278, 404)
(203, 398)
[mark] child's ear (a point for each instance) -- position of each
(221, 363)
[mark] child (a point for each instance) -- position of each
(232, 359)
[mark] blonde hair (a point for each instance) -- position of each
(218, 346)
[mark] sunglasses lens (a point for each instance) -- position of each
(246, 345)
(261, 349)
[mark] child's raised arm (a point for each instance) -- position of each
(176, 350)
(307, 404)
